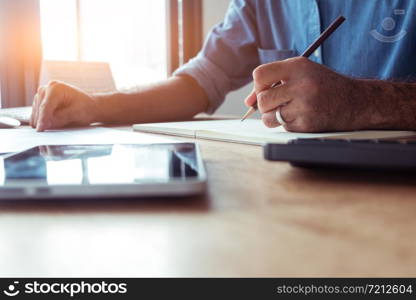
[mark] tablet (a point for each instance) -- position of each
(103, 171)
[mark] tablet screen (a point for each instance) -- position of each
(101, 164)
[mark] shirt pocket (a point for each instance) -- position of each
(271, 55)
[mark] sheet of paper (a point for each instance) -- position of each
(214, 125)
(254, 132)
(220, 126)
(14, 140)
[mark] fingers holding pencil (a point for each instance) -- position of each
(315, 45)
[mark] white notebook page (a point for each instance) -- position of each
(253, 131)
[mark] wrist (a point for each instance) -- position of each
(97, 108)
(376, 110)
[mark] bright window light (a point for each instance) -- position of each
(128, 34)
(59, 29)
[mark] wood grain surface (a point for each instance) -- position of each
(257, 219)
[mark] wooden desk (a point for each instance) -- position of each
(257, 219)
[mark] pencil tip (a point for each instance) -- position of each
(248, 113)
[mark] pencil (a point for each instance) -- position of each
(311, 49)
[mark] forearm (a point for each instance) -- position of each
(386, 105)
(177, 98)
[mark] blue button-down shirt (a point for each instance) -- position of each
(376, 41)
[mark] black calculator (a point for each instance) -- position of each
(336, 153)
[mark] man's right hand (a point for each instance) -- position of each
(58, 105)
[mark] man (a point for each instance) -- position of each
(361, 78)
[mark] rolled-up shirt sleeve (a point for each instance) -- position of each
(229, 54)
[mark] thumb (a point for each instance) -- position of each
(60, 119)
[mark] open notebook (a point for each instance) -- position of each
(253, 132)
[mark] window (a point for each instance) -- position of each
(131, 35)
(128, 34)
(142, 40)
